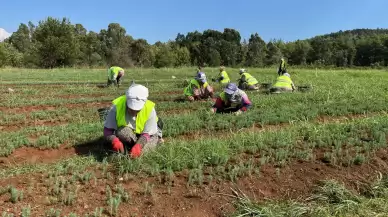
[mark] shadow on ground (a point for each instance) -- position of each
(96, 148)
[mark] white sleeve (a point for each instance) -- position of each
(151, 126)
(110, 121)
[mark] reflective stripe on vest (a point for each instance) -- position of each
(189, 89)
(115, 69)
(226, 77)
(141, 118)
(249, 79)
(283, 81)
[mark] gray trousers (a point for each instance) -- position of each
(129, 138)
(280, 90)
(245, 86)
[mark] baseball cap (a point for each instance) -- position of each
(201, 76)
(230, 88)
(286, 74)
(136, 96)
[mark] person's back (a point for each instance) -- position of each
(283, 84)
(247, 81)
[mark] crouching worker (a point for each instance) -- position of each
(198, 88)
(132, 125)
(115, 75)
(232, 100)
(223, 77)
(283, 84)
(247, 81)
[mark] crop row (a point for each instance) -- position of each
(353, 142)
(344, 144)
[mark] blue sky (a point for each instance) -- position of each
(161, 20)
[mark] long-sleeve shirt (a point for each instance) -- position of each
(243, 104)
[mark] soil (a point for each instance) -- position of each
(28, 109)
(294, 181)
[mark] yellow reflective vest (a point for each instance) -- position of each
(189, 89)
(225, 76)
(141, 118)
(249, 79)
(114, 71)
(283, 82)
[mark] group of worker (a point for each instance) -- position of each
(132, 125)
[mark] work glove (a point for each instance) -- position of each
(117, 145)
(136, 151)
(213, 110)
(191, 98)
(239, 112)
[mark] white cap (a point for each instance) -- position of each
(136, 96)
(242, 70)
(286, 74)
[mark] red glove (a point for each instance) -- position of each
(117, 145)
(136, 151)
(243, 109)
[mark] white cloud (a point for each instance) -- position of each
(4, 34)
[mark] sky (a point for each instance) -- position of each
(162, 20)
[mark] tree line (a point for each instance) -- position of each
(59, 43)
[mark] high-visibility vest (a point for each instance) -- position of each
(283, 81)
(283, 65)
(114, 70)
(189, 89)
(141, 118)
(226, 77)
(249, 79)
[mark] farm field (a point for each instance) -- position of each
(317, 153)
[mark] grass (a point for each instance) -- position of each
(330, 198)
(341, 121)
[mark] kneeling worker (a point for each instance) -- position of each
(232, 100)
(223, 77)
(247, 81)
(198, 88)
(132, 124)
(283, 84)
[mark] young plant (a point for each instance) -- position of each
(16, 195)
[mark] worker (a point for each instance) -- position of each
(282, 67)
(132, 125)
(247, 81)
(232, 100)
(283, 84)
(115, 75)
(198, 88)
(223, 77)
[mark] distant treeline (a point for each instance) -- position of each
(58, 43)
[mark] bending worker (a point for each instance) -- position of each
(198, 88)
(223, 77)
(283, 84)
(232, 100)
(247, 81)
(132, 124)
(115, 75)
(282, 67)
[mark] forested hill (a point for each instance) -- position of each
(59, 43)
(357, 33)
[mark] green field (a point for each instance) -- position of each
(266, 162)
